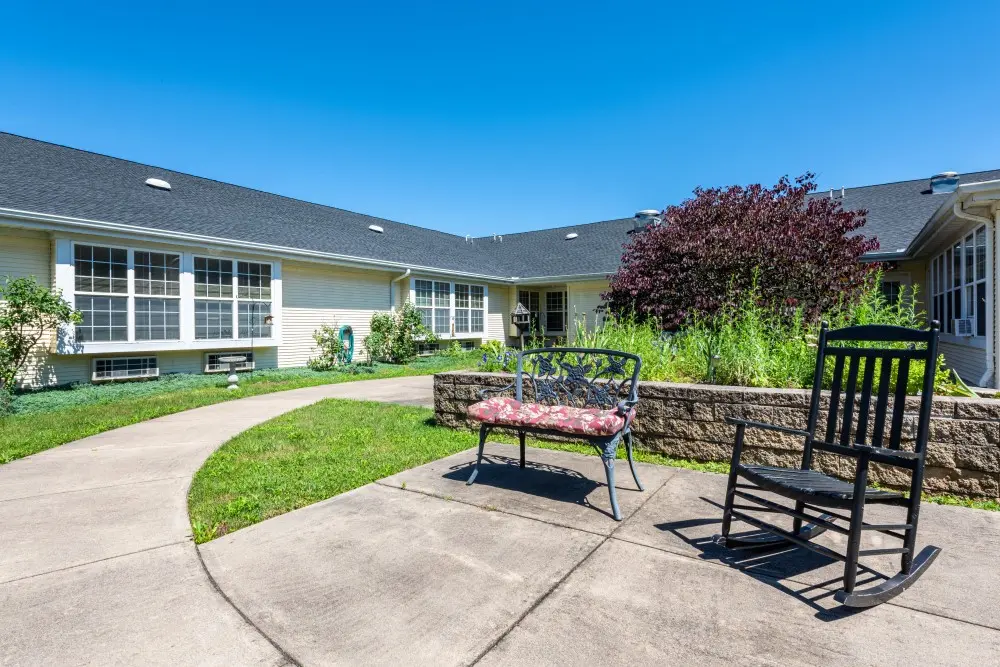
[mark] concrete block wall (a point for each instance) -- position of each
(688, 421)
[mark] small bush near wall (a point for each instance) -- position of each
(394, 336)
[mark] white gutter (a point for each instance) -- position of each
(392, 288)
(959, 212)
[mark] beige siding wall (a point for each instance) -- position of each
(315, 295)
(498, 313)
(584, 299)
(968, 362)
(22, 254)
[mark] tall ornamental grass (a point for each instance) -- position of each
(751, 346)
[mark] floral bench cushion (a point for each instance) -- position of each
(504, 411)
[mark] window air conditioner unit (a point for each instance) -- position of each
(965, 326)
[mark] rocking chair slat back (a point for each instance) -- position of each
(850, 420)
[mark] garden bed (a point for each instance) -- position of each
(687, 421)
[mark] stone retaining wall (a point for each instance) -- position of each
(688, 421)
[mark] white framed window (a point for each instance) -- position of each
(223, 296)
(124, 368)
(213, 365)
(101, 293)
(448, 309)
(555, 312)
(469, 308)
(157, 273)
(957, 283)
(157, 319)
(530, 300)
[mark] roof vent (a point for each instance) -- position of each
(376, 229)
(644, 219)
(157, 183)
(571, 236)
(945, 182)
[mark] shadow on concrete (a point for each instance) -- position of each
(537, 479)
(780, 567)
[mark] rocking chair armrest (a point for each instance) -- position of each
(894, 457)
(903, 454)
(735, 421)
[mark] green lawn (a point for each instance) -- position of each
(49, 418)
(333, 446)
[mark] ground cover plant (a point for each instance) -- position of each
(322, 450)
(53, 417)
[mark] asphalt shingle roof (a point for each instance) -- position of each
(46, 178)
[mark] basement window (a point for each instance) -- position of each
(125, 368)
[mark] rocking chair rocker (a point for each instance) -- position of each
(817, 494)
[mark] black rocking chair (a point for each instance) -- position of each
(817, 494)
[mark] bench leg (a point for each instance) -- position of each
(520, 436)
(631, 463)
(609, 469)
(484, 430)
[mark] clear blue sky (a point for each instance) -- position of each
(481, 117)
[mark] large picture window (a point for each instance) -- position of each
(100, 274)
(214, 307)
(957, 281)
(469, 301)
(447, 308)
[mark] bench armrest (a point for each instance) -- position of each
(735, 421)
(486, 392)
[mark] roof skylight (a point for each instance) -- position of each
(157, 183)
(376, 229)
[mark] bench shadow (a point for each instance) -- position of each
(773, 565)
(537, 479)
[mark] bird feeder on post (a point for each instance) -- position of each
(520, 317)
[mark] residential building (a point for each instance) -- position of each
(170, 270)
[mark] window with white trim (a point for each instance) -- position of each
(958, 283)
(442, 308)
(217, 303)
(100, 275)
(530, 300)
(555, 312)
(423, 299)
(469, 308)
(157, 273)
(125, 368)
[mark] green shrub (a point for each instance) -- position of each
(393, 338)
(332, 352)
(29, 315)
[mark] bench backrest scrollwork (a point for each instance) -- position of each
(578, 377)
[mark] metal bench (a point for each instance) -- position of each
(583, 393)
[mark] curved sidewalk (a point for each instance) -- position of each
(97, 565)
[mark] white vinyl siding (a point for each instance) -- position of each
(585, 305)
(969, 362)
(498, 309)
(29, 254)
(315, 295)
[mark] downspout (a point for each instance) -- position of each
(991, 252)
(392, 288)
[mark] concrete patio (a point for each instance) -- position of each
(527, 567)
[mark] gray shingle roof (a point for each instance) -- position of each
(46, 178)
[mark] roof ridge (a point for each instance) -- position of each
(908, 180)
(552, 229)
(231, 185)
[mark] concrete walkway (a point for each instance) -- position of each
(97, 565)
(526, 568)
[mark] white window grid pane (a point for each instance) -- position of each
(105, 319)
(478, 294)
(423, 293)
(970, 261)
(99, 269)
(157, 273)
(442, 294)
(254, 280)
(427, 317)
(213, 320)
(462, 320)
(125, 367)
(442, 321)
(252, 314)
(157, 319)
(981, 254)
(213, 278)
(477, 320)
(461, 296)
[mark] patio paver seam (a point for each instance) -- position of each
(94, 488)
(562, 580)
(92, 562)
(773, 578)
